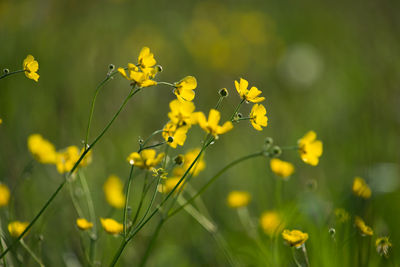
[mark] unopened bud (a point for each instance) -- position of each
(332, 232)
(111, 67)
(276, 151)
(170, 139)
(223, 92)
(268, 141)
(6, 71)
(159, 68)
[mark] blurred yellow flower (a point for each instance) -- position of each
(383, 245)
(141, 78)
(4, 195)
(364, 229)
(1, 121)
(83, 224)
(114, 191)
(146, 58)
(16, 228)
(294, 238)
(237, 199)
(360, 188)
(211, 125)
(310, 149)
(177, 133)
(41, 149)
(281, 168)
(67, 158)
(342, 215)
(271, 223)
(169, 184)
(188, 159)
(31, 67)
(181, 113)
(184, 88)
(147, 159)
(258, 117)
(251, 95)
(111, 226)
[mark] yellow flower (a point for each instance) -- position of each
(111, 226)
(281, 168)
(310, 149)
(83, 224)
(294, 237)
(251, 95)
(4, 195)
(140, 77)
(342, 215)
(364, 229)
(169, 184)
(178, 134)
(1, 121)
(67, 158)
(146, 159)
(146, 58)
(258, 117)
(360, 188)
(31, 66)
(114, 192)
(211, 125)
(271, 223)
(16, 228)
(184, 88)
(42, 150)
(383, 245)
(181, 113)
(237, 199)
(188, 159)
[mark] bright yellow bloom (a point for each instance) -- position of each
(42, 150)
(258, 117)
(67, 158)
(178, 134)
(181, 113)
(211, 125)
(251, 95)
(146, 159)
(114, 192)
(83, 224)
(184, 88)
(16, 228)
(342, 215)
(360, 188)
(310, 149)
(281, 168)
(31, 66)
(146, 58)
(1, 121)
(237, 199)
(188, 159)
(271, 223)
(294, 237)
(141, 78)
(4, 195)
(111, 226)
(383, 245)
(364, 229)
(169, 184)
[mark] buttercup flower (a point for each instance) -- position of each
(31, 66)
(364, 229)
(1, 121)
(251, 95)
(178, 134)
(83, 224)
(271, 223)
(41, 149)
(310, 149)
(146, 159)
(141, 77)
(169, 184)
(67, 158)
(211, 125)
(294, 238)
(114, 192)
(188, 159)
(258, 117)
(342, 215)
(360, 188)
(16, 228)
(146, 58)
(4, 195)
(181, 113)
(281, 168)
(383, 245)
(111, 226)
(237, 199)
(184, 88)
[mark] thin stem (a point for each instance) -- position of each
(153, 146)
(303, 247)
(148, 139)
(294, 257)
(236, 110)
(219, 102)
(144, 191)
(75, 202)
(166, 83)
(127, 193)
(11, 73)
(36, 258)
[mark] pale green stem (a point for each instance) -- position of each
(36, 258)
(236, 110)
(294, 257)
(303, 247)
(144, 191)
(74, 200)
(166, 83)
(127, 193)
(11, 73)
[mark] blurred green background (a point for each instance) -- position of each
(330, 66)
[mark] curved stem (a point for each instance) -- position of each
(127, 192)
(166, 83)
(11, 73)
(141, 199)
(34, 256)
(236, 110)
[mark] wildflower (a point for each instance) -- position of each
(31, 66)
(251, 95)
(113, 190)
(147, 159)
(237, 199)
(294, 238)
(342, 215)
(1, 121)
(83, 224)
(271, 223)
(383, 245)
(360, 188)
(111, 226)
(258, 118)
(177, 133)
(4, 195)
(16, 228)
(364, 229)
(181, 113)
(211, 125)
(66, 159)
(184, 88)
(281, 168)
(169, 184)
(140, 77)
(41, 149)
(146, 58)
(188, 159)
(310, 149)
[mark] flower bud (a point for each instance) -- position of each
(6, 71)
(223, 92)
(276, 151)
(111, 67)
(159, 68)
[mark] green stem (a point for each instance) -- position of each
(219, 102)
(74, 200)
(148, 139)
(127, 193)
(305, 254)
(10, 73)
(166, 83)
(141, 199)
(236, 110)
(294, 257)
(36, 258)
